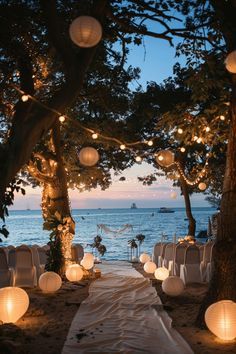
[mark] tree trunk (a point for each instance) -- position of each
(191, 220)
(222, 284)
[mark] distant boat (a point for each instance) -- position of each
(133, 206)
(165, 210)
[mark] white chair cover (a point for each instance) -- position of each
(12, 257)
(36, 260)
(206, 262)
(25, 271)
(42, 252)
(77, 252)
(6, 274)
(157, 253)
(179, 257)
(190, 271)
(169, 256)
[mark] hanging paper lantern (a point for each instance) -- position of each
(144, 258)
(74, 273)
(161, 273)
(49, 282)
(89, 256)
(87, 263)
(173, 195)
(14, 303)
(150, 267)
(230, 62)
(88, 156)
(85, 31)
(202, 186)
(173, 286)
(165, 158)
(220, 318)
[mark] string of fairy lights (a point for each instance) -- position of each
(130, 145)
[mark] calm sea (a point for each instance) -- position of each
(25, 226)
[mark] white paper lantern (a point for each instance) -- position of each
(88, 156)
(87, 263)
(173, 195)
(161, 273)
(230, 62)
(173, 286)
(144, 258)
(14, 303)
(150, 267)
(50, 282)
(220, 318)
(74, 273)
(85, 31)
(165, 158)
(202, 186)
(89, 256)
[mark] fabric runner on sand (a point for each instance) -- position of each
(123, 314)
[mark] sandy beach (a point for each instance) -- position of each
(43, 329)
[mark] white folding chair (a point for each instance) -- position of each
(179, 257)
(190, 271)
(6, 274)
(169, 255)
(25, 271)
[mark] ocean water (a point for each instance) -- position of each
(25, 226)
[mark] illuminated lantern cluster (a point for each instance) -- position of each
(88, 261)
(144, 258)
(173, 286)
(161, 273)
(165, 158)
(74, 272)
(50, 282)
(85, 31)
(220, 318)
(150, 267)
(14, 302)
(88, 156)
(230, 62)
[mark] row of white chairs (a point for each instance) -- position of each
(22, 266)
(192, 262)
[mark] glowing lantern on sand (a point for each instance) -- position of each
(161, 273)
(14, 302)
(202, 186)
(220, 318)
(165, 158)
(173, 286)
(144, 258)
(89, 256)
(150, 267)
(230, 62)
(88, 156)
(85, 31)
(87, 263)
(74, 273)
(49, 282)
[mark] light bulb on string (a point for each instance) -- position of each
(150, 143)
(138, 158)
(62, 119)
(199, 140)
(195, 138)
(94, 136)
(24, 98)
(122, 146)
(208, 129)
(180, 131)
(182, 149)
(222, 118)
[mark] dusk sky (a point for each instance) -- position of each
(156, 59)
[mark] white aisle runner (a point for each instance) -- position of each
(122, 314)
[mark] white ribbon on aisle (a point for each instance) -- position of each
(123, 314)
